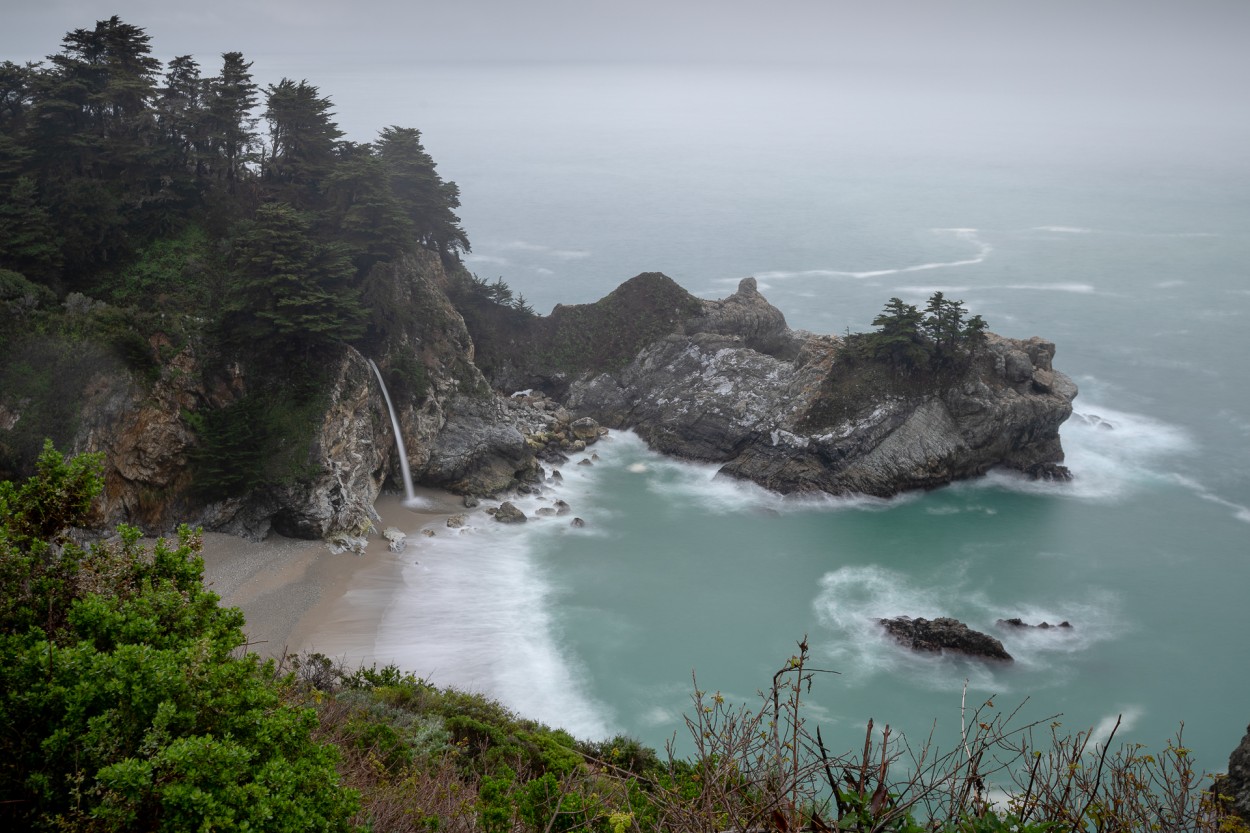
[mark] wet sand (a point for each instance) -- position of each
(294, 593)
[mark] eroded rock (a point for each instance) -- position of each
(942, 635)
(508, 513)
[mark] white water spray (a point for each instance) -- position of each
(410, 497)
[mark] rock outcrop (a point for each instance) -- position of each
(793, 412)
(460, 435)
(1020, 624)
(1237, 783)
(943, 635)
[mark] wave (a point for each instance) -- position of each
(1241, 513)
(1080, 288)
(476, 611)
(703, 487)
(1064, 229)
(851, 599)
(970, 235)
(1111, 454)
(539, 248)
(493, 260)
(1082, 230)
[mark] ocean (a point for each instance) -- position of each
(1113, 225)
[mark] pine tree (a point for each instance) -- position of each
(231, 126)
(362, 210)
(900, 338)
(429, 201)
(292, 295)
(302, 141)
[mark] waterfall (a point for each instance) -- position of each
(410, 498)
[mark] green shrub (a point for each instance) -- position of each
(125, 702)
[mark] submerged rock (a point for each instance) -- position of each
(1020, 623)
(944, 634)
(577, 523)
(457, 521)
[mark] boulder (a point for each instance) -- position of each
(577, 523)
(508, 513)
(397, 541)
(562, 508)
(585, 429)
(458, 521)
(942, 635)
(342, 542)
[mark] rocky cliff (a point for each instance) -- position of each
(725, 381)
(459, 434)
(792, 411)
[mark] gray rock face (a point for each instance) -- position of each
(787, 410)
(1237, 784)
(944, 634)
(508, 513)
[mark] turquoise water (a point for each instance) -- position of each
(1116, 229)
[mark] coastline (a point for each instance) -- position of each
(298, 596)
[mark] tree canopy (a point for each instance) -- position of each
(104, 150)
(908, 339)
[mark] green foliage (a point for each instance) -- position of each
(22, 296)
(41, 380)
(172, 273)
(126, 703)
(261, 439)
(909, 340)
(291, 295)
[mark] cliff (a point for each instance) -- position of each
(730, 382)
(724, 381)
(332, 449)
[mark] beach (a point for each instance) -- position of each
(299, 596)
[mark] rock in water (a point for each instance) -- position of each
(1017, 622)
(508, 513)
(944, 634)
(797, 412)
(397, 541)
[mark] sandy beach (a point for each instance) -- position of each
(294, 593)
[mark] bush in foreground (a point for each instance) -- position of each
(126, 703)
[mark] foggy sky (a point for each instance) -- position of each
(1117, 43)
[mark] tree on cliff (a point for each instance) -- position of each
(939, 337)
(900, 338)
(125, 702)
(429, 201)
(302, 141)
(291, 294)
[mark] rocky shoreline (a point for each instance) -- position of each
(724, 381)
